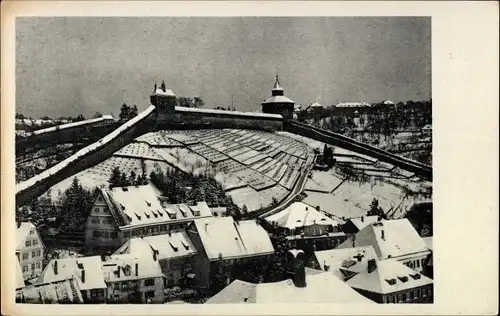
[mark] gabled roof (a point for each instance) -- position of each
(321, 288)
(300, 214)
(63, 291)
(389, 276)
(140, 205)
(167, 92)
(169, 246)
(72, 268)
(399, 238)
(362, 223)
(147, 267)
(428, 242)
(223, 237)
(22, 232)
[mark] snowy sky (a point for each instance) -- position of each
(68, 66)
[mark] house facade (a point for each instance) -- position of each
(30, 250)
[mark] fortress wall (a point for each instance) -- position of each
(318, 134)
(85, 158)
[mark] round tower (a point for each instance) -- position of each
(278, 103)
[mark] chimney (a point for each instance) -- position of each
(326, 267)
(372, 265)
(55, 267)
(383, 235)
(137, 269)
(297, 267)
(83, 275)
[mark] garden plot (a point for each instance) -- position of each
(229, 181)
(341, 151)
(383, 165)
(379, 173)
(230, 166)
(289, 178)
(184, 138)
(402, 172)
(277, 173)
(255, 200)
(257, 158)
(353, 160)
(323, 181)
(185, 160)
(158, 139)
(267, 165)
(246, 155)
(277, 192)
(261, 163)
(410, 185)
(208, 153)
(254, 179)
(138, 150)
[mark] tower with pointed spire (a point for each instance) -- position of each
(278, 103)
(164, 100)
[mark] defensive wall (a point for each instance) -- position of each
(86, 157)
(342, 141)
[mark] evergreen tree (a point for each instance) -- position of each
(115, 178)
(133, 111)
(124, 112)
(133, 179)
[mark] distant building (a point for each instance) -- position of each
(351, 108)
(278, 103)
(164, 100)
(305, 227)
(221, 241)
(119, 214)
(86, 271)
(389, 281)
(304, 286)
(396, 239)
(134, 278)
(29, 250)
(174, 252)
(59, 292)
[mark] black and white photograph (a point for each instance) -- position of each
(224, 160)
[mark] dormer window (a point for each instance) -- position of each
(391, 281)
(123, 207)
(148, 203)
(173, 247)
(415, 276)
(138, 216)
(403, 279)
(146, 214)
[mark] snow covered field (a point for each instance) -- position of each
(324, 181)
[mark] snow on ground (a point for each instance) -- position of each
(323, 181)
(255, 200)
(185, 160)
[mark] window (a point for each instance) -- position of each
(35, 242)
(408, 296)
(32, 232)
(126, 234)
(97, 210)
(25, 268)
(32, 267)
(418, 263)
(26, 256)
(28, 243)
(124, 285)
(162, 228)
(423, 260)
(424, 292)
(33, 254)
(114, 235)
(149, 294)
(149, 282)
(390, 299)
(415, 294)
(116, 286)
(38, 265)
(400, 299)
(96, 234)
(430, 292)
(155, 229)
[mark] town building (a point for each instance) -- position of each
(355, 224)
(343, 263)
(278, 103)
(305, 228)
(29, 250)
(303, 286)
(225, 246)
(86, 271)
(121, 213)
(164, 100)
(396, 239)
(133, 278)
(389, 281)
(59, 292)
(174, 251)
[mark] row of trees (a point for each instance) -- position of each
(121, 179)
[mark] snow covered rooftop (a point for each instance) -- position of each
(389, 276)
(428, 242)
(361, 223)
(278, 99)
(223, 112)
(122, 267)
(173, 245)
(321, 288)
(141, 206)
(51, 293)
(75, 268)
(350, 259)
(167, 92)
(73, 124)
(352, 104)
(22, 232)
(223, 237)
(389, 238)
(300, 214)
(90, 148)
